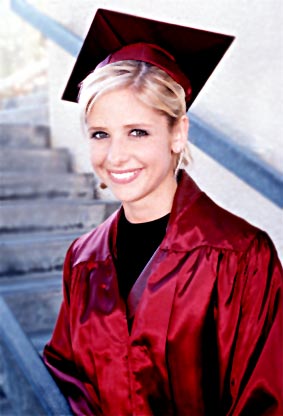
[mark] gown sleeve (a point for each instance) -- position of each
(59, 359)
(255, 375)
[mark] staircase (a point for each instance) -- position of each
(44, 206)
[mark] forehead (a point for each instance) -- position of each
(124, 104)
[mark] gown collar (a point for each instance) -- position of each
(100, 244)
(195, 221)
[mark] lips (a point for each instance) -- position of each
(125, 176)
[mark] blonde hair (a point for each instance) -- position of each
(152, 86)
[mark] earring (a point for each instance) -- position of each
(102, 185)
(177, 150)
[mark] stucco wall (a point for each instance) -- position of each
(244, 96)
(242, 99)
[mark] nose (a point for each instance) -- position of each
(117, 152)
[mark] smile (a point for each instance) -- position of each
(124, 176)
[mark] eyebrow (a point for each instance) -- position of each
(126, 126)
(96, 128)
(139, 124)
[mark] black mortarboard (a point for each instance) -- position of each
(188, 55)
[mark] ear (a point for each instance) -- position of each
(180, 134)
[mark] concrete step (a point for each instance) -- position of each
(32, 114)
(36, 98)
(34, 252)
(34, 300)
(38, 251)
(35, 160)
(25, 186)
(24, 136)
(60, 214)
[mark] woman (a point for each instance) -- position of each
(173, 306)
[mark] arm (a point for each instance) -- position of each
(256, 378)
(58, 357)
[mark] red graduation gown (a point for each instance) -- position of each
(207, 333)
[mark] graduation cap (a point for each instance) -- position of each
(188, 55)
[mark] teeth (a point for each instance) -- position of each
(125, 175)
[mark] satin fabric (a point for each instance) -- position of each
(154, 55)
(206, 337)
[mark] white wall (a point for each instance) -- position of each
(244, 96)
(242, 99)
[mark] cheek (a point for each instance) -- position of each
(164, 152)
(93, 157)
(96, 156)
(160, 146)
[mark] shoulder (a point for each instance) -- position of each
(198, 221)
(94, 245)
(224, 228)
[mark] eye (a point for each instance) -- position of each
(98, 135)
(138, 132)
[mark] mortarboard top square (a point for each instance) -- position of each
(197, 52)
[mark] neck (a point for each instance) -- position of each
(148, 209)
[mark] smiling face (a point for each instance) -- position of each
(132, 151)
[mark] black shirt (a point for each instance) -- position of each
(136, 244)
